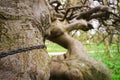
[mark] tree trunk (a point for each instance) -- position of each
(22, 24)
(75, 64)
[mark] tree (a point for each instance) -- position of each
(22, 24)
(76, 64)
(27, 23)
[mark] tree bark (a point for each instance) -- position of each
(22, 24)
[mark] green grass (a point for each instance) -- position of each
(100, 47)
(52, 47)
(112, 63)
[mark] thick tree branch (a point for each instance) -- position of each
(87, 14)
(59, 35)
(100, 15)
(80, 24)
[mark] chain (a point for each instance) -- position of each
(20, 50)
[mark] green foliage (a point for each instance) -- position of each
(112, 63)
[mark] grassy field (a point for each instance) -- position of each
(112, 63)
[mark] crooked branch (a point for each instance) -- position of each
(87, 14)
(80, 24)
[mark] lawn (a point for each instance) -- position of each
(112, 63)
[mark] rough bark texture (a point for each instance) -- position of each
(22, 24)
(75, 64)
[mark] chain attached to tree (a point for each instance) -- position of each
(20, 50)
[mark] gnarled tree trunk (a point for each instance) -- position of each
(22, 24)
(75, 64)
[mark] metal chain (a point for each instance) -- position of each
(20, 50)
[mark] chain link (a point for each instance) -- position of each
(12, 52)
